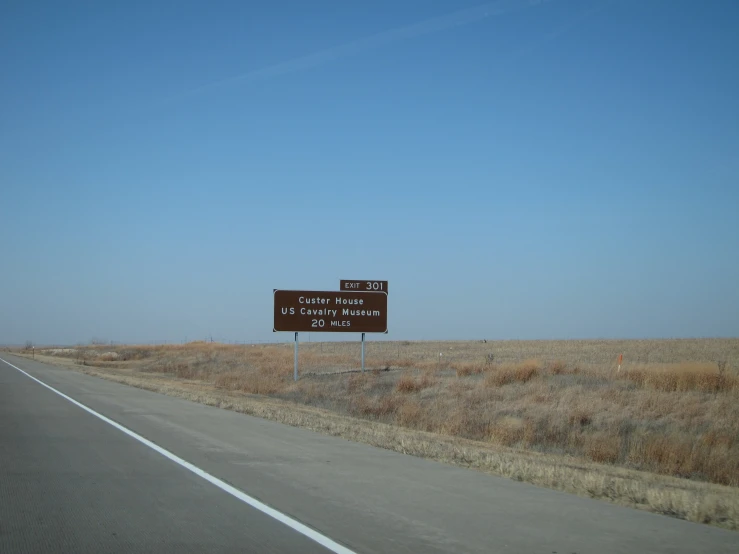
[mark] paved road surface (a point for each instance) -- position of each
(70, 482)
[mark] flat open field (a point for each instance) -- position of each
(661, 433)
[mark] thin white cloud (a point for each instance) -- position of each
(425, 27)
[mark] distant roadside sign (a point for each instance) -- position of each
(330, 311)
(363, 285)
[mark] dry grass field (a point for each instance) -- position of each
(661, 433)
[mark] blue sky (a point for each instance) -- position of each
(515, 169)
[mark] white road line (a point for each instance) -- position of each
(253, 502)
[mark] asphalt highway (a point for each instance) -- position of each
(96, 466)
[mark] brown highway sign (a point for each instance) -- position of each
(363, 285)
(330, 311)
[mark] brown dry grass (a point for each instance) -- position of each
(408, 384)
(682, 377)
(523, 372)
(676, 419)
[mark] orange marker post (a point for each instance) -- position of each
(620, 359)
